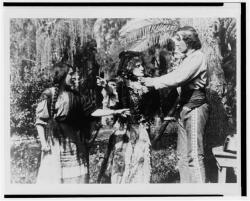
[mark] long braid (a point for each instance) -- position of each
(54, 99)
(58, 81)
(59, 78)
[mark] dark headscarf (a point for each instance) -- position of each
(125, 58)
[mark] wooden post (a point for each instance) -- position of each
(224, 160)
(222, 171)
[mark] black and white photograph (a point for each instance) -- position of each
(107, 100)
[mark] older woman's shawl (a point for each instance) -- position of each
(142, 104)
(67, 160)
(128, 153)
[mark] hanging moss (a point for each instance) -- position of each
(35, 45)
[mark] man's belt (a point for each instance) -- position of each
(193, 98)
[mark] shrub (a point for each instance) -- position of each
(25, 91)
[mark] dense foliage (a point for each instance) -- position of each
(106, 33)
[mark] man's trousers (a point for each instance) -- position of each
(190, 145)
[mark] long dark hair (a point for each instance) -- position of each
(60, 71)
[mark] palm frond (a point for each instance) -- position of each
(141, 45)
(230, 26)
(145, 24)
(150, 30)
(164, 39)
(231, 29)
(149, 41)
(155, 30)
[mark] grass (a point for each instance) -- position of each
(25, 159)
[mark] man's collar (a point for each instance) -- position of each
(190, 52)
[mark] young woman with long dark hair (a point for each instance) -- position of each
(59, 122)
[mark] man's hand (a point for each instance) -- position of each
(148, 82)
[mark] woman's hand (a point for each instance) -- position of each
(41, 132)
(101, 81)
(46, 148)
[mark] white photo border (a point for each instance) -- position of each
(228, 10)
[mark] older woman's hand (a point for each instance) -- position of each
(123, 112)
(101, 81)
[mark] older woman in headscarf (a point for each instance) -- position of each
(128, 155)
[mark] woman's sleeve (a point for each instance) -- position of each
(123, 96)
(87, 104)
(42, 110)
